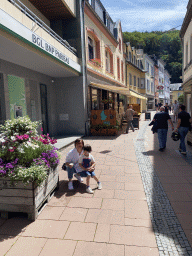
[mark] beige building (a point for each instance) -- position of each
(105, 60)
(135, 77)
(175, 91)
(186, 37)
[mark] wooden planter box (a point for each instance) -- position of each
(95, 132)
(112, 132)
(103, 132)
(27, 199)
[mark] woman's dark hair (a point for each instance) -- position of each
(87, 148)
(77, 141)
(182, 107)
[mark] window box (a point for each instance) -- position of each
(96, 62)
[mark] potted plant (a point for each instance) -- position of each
(96, 62)
(28, 167)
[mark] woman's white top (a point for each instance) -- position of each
(73, 157)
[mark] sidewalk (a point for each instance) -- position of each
(117, 220)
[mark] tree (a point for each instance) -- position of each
(164, 45)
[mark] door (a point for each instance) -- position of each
(44, 113)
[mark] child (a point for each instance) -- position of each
(87, 163)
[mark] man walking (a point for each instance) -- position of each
(162, 127)
(183, 128)
(129, 116)
(175, 111)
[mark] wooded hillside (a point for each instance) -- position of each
(164, 45)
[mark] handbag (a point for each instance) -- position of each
(64, 167)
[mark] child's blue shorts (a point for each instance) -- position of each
(86, 173)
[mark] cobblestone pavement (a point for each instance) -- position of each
(170, 237)
(143, 209)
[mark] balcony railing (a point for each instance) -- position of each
(41, 24)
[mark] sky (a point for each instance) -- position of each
(147, 15)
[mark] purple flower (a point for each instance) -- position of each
(9, 166)
(2, 172)
(1, 161)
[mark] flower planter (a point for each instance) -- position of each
(27, 199)
(112, 132)
(103, 132)
(95, 132)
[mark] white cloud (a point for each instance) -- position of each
(147, 19)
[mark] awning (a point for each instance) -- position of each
(111, 88)
(137, 95)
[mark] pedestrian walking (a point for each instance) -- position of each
(175, 111)
(156, 107)
(161, 119)
(159, 105)
(183, 126)
(129, 116)
(166, 108)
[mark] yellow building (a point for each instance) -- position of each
(105, 60)
(135, 77)
(175, 91)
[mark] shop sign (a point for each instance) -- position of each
(37, 40)
(160, 87)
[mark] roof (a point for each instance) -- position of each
(175, 87)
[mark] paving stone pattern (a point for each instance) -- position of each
(170, 237)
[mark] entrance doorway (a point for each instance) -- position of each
(44, 113)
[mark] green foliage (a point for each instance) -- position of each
(24, 155)
(164, 45)
(26, 175)
(181, 99)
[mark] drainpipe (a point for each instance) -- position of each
(83, 64)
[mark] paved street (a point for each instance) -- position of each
(144, 208)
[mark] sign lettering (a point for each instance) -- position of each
(49, 48)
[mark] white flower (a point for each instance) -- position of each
(2, 140)
(13, 138)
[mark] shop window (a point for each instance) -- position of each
(94, 99)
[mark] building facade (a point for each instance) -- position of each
(161, 67)
(186, 37)
(105, 60)
(41, 64)
(167, 87)
(149, 87)
(135, 77)
(175, 91)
